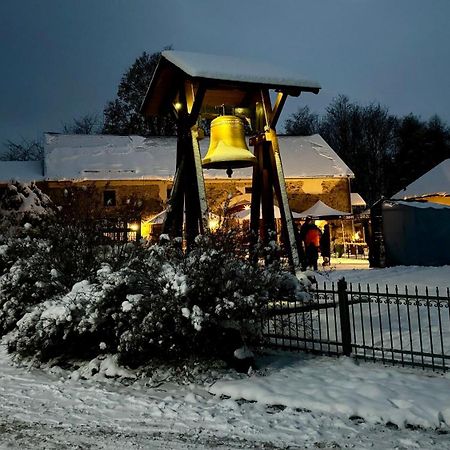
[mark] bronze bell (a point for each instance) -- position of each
(227, 148)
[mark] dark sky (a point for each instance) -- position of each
(61, 59)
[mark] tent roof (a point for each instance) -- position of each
(244, 214)
(435, 181)
(106, 157)
(229, 79)
(320, 209)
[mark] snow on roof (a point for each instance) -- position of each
(357, 200)
(24, 171)
(235, 69)
(106, 157)
(311, 157)
(320, 209)
(435, 181)
(421, 205)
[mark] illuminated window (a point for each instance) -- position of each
(109, 198)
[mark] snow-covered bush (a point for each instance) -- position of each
(163, 303)
(23, 203)
(37, 265)
(71, 324)
(28, 280)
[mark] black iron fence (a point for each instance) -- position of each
(388, 325)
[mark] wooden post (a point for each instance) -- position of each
(188, 191)
(344, 314)
(288, 228)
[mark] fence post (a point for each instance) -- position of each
(344, 315)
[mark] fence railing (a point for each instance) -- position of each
(387, 325)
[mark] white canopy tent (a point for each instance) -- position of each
(321, 210)
(244, 214)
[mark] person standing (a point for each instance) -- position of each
(325, 245)
(312, 245)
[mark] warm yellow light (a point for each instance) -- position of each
(213, 224)
(239, 110)
(178, 106)
(134, 227)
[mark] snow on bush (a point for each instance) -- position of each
(24, 204)
(162, 303)
(26, 280)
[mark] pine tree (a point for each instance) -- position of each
(122, 115)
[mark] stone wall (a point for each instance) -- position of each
(148, 197)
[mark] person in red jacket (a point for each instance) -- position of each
(312, 245)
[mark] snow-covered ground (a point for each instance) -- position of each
(400, 276)
(294, 400)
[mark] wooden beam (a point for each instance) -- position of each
(173, 223)
(200, 182)
(288, 227)
(267, 107)
(197, 104)
(256, 201)
(277, 107)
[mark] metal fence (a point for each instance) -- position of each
(388, 325)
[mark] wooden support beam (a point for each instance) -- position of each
(173, 223)
(195, 101)
(277, 107)
(288, 227)
(200, 182)
(267, 108)
(267, 195)
(188, 192)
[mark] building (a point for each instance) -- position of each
(413, 227)
(433, 186)
(130, 177)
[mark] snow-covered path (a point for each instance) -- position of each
(41, 410)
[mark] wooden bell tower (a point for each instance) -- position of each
(191, 85)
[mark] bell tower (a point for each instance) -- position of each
(192, 85)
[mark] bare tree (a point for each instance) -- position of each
(87, 124)
(26, 150)
(302, 123)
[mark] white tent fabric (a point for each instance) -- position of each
(245, 213)
(320, 209)
(161, 217)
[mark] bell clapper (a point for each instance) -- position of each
(229, 172)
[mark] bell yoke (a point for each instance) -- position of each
(191, 85)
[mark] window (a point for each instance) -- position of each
(248, 190)
(109, 198)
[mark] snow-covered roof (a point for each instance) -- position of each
(311, 157)
(227, 80)
(420, 205)
(106, 157)
(435, 181)
(24, 171)
(320, 209)
(235, 69)
(357, 200)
